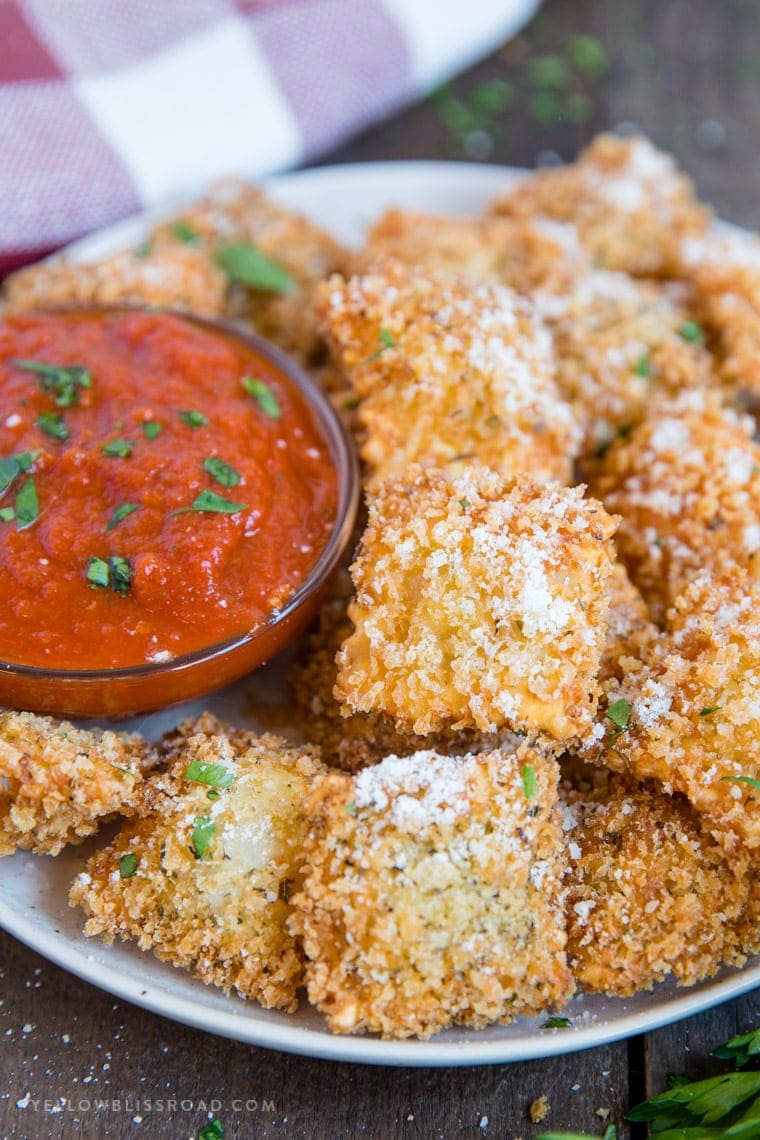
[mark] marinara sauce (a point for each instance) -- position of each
(163, 487)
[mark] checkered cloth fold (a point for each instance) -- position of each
(109, 106)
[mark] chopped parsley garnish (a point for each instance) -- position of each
(203, 833)
(7, 514)
(61, 382)
(221, 471)
(464, 504)
(263, 395)
(529, 781)
(52, 424)
(643, 367)
(127, 865)
(351, 808)
(386, 338)
(215, 775)
(691, 332)
(115, 574)
(193, 418)
(151, 429)
(121, 513)
(246, 265)
(620, 714)
(184, 232)
(210, 502)
(588, 54)
(709, 710)
(118, 448)
(557, 1023)
(27, 505)
(211, 1131)
(753, 783)
(11, 468)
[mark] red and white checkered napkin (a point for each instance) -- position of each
(107, 106)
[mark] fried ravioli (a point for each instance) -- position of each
(432, 895)
(448, 374)
(203, 876)
(480, 603)
(59, 783)
(630, 204)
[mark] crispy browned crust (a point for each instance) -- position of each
(432, 895)
(630, 630)
(687, 483)
(630, 204)
(185, 274)
(480, 603)
(59, 783)
(221, 916)
(650, 893)
(694, 710)
(447, 374)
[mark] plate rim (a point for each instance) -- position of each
(435, 1052)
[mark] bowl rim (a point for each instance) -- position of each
(343, 457)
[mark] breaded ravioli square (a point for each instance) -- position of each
(481, 602)
(432, 895)
(59, 783)
(204, 875)
(650, 892)
(448, 373)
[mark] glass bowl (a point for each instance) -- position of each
(143, 688)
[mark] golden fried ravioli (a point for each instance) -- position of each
(448, 374)
(650, 893)
(203, 876)
(59, 783)
(432, 895)
(631, 205)
(630, 630)
(481, 602)
(687, 484)
(688, 713)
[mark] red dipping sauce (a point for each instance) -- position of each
(163, 487)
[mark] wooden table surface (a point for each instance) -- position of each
(685, 72)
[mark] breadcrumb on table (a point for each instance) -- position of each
(59, 783)
(204, 874)
(687, 485)
(432, 896)
(448, 374)
(650, 893)
(481, 602)
(631, 205)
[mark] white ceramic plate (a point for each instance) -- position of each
(33, 890)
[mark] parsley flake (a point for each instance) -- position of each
(118, 448)
(27, 505)
(709, 710)
(464, 504)
(211, 503)
(753, 783)
(387, 340)
(61, 382)
(11, 468)
(557, 1023)
(184, 232)
(52, 424)
(246, 265)
(7, 514)
(115, 574)
(215, 775)
(211, 1131)
(691, 332)
(121, 513)
(127, 865)
(151, 429)
(263, 395)
(98, 574)
(351, 808)
(203, 833)
(643, 367)
(620, 714)
(529, 781)
(193, 418)
(221, 471)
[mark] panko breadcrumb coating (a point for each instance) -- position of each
(687, 484)
(481, 602)
(630, 630)
(649, 893)
(619, 343)
(631, 205)
(524, 253)
(59, 783)
(179, 266)
(432, 896)
(203, 876)
(692, 710)
(448, 374)
(724, 269)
